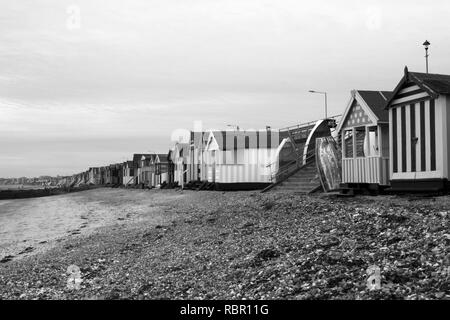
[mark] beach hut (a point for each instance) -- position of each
(103, 178)
(180, 159)
(196, 170)
(137, 165)
(161, 169)
(147, 170)
(364, 134)
(115, 176)
(128, 173)
(171, 168)
(119, 168)
(238, 160)
(419, 130)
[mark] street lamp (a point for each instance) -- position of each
(326, 102)
(426, 44)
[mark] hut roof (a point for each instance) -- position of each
(137, 157)
(439, 83)
(376, 100)
(432, 83)
(162, 157)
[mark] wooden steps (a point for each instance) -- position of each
(305, 180)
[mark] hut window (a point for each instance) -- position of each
(348, 143)
(360, 137)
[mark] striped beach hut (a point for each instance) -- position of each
(419, 127)
(364, 134)
(239, 159)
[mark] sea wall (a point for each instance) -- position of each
(35, 193)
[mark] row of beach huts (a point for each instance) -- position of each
(385, 140)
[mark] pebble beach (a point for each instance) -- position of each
(169, 244)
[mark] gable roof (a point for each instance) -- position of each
(162, 157)
(148, 156)
(181, 147)
(137, 158)
(128, 163)
(373, 102)
(377, 100)
(433, 84)
(199, 139)
(438, 83)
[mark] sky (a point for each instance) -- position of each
(90, 82)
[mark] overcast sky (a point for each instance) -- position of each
(88, 83)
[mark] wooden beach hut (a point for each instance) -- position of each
(238, 160)
(119, 167)
(196, 169)
(147, 170)
(180, 159)
(137, 166)
(115, 175)
(171, 168)
(161, 169)
(419, 129)
(364, 134)
(128, 173)
(103, 178)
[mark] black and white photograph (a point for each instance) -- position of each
(245, 152)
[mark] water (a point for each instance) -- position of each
(30, 222)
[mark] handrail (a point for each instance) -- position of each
(284, 178)
(299, 157)
(293, 165)
(286, 168)
(298, 126)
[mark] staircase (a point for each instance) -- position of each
(299, 175)
(305, 180)
(297, 169)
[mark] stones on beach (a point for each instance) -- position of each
(6, 259)
(267, 254)
(27, 250)
(319, 251)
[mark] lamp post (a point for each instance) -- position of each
(326, 102)
(426, 44)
